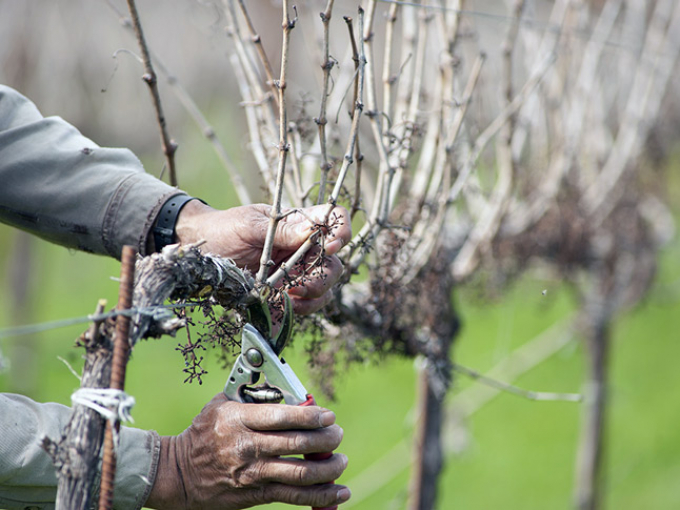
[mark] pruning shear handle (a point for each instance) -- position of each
(258, 357)
(317, 456)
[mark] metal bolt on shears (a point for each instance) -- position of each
(260, 352)
(257, 358)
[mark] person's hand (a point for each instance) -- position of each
(237, 455)
(239, 234)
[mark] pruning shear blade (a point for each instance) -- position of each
(258, 357)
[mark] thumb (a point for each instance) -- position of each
(293, 231)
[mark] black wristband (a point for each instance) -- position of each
(164, 229)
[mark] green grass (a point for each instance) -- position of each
(517, 454)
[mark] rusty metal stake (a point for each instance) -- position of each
(121, 348)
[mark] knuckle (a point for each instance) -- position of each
(233, 477)
(253, 477)
(241, 479)
(239, 417)
(275, 493)
(261, 496)
(333, 262)
(301, 474)
(323, 497)
(265, 495)
(296, 442)
(244, 448)
(238, 466)
(278, 413)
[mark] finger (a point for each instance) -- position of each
(270, 417)
(319, 281)
(295, 228)
(303, 306)
(298, 442)
(339, 228)
(317, 496)
(304, 472)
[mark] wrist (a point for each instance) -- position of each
(166, 224)
(186, 227)
(168, 491)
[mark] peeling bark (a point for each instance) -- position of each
(76, 453)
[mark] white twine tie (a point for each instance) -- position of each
(110, 403)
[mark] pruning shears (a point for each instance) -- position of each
(260, 354)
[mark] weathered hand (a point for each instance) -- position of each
(237, 455)
(239, 234)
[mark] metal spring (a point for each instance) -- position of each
(264, 395)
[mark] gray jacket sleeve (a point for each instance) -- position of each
(27, 476)
(63, 187)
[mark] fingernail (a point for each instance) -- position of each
(344, 494)
(299, 291)
(334, 246)
(327, 418)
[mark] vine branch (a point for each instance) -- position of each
(275, 214)
(150, 78)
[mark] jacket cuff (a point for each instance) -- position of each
(136, 468)
(132, 211)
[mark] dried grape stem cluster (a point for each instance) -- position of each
(433, 198)
(453, 186)
(182, 274)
